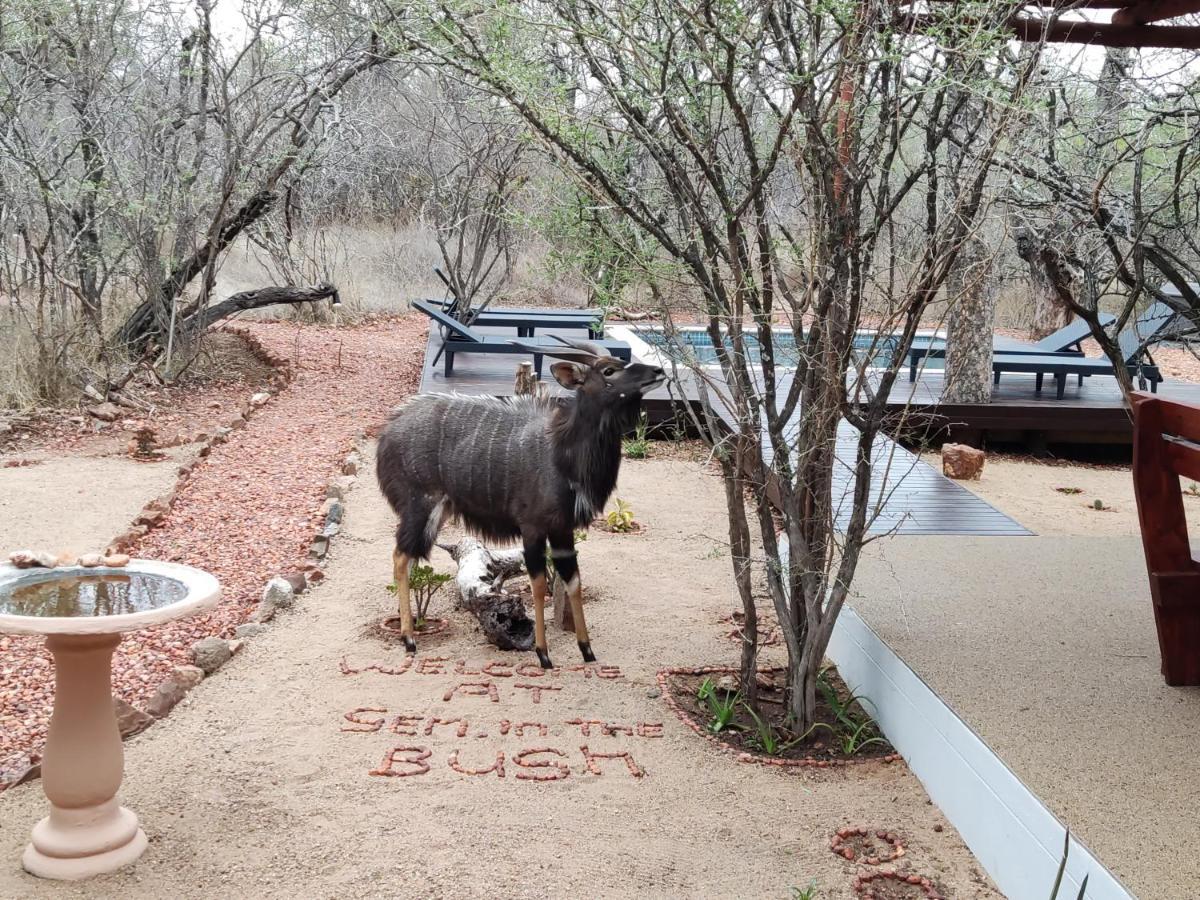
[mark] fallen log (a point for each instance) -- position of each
(481, 576)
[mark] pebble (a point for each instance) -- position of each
(30, 559)
(116, 560)
(91, 560)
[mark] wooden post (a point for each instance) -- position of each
(527, 381)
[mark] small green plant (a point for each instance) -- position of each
(1193, 489)
(637, 447)
(1098, 505)
(1062, 867)
(423, 584)
(852, 732)
(805, 893)
(721, 705)
(765, 737)
(1069, 490)
(620, 519)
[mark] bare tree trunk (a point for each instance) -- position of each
(1049, 312)
(200, 319)
(969, 330)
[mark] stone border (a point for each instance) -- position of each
(663, 675)
(847, 853)
(210, 653)
(862, 883)
(429, 630)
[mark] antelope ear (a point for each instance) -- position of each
(570, 375)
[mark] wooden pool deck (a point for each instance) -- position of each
(908, 495)
(1091, 413)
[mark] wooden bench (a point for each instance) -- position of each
(1166, 446)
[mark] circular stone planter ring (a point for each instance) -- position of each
(82, 612)
(433, 625)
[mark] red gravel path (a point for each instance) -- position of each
(247, 512)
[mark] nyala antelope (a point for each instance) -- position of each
(523, 467)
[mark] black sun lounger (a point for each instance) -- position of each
(1058, 365)
(460, 338)
(527, 321)
(1066, 340)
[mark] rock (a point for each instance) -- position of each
(91, 560)
(319, 547)
(962, 462)
(278, 593)
(130, 719)
(174, 689)
(105, 412)
(214, 404)
(331, 529)
(350, 464)
(66, 558)
(30, 774)
(260, 398)
(211, 653)
(238, 421)
(338, 487)
(335, 511)
(297, 581)
(264, 613)
(654, 693)
(32, 559)
(249, 630)
(126, 539)
(117, 560)
(727, 683)
(153, 512)
(235, 645)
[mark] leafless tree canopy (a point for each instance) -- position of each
(794, 167)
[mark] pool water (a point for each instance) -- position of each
(696, 343)
(52, 594)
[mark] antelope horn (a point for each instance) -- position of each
(569, 353)
(584, 346)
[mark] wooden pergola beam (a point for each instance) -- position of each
(1102, 34)
(1146, 11)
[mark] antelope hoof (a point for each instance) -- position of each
(585, 647)
(544, 658)
(409, 644)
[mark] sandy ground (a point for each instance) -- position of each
(258, 786)
(1046, 646)
(1027, 491)
(78, 503)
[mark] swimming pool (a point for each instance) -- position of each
(696, 343)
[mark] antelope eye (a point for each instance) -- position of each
(609, 372)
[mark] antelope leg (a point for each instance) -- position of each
(539, 619)
(400, 573)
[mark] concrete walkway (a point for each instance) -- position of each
(1046, 647)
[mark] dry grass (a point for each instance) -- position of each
(382, 269)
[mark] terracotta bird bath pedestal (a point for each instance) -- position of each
(82, 613)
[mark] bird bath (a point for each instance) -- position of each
(82, 612)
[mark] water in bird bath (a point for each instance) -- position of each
(80, 594)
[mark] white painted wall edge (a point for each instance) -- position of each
(1012, 833)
